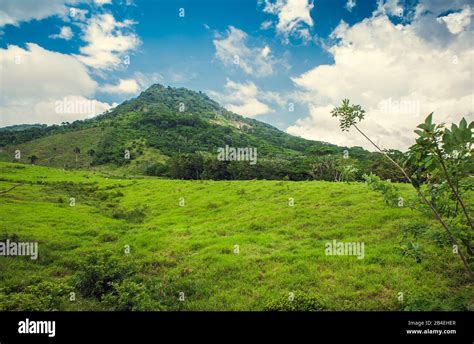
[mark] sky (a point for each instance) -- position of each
(284, 62)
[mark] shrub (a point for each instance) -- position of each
(156, 169)
(389, 191)
(44, 296)
(98, 273)
(130, 296)
(136, 215)
(411, 249)
(301, 302)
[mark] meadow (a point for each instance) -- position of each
(144, 243)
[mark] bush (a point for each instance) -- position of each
(130, 296)
(98, 273)
(136, 215)
(156, 169)
(301, 302)
(44, 296)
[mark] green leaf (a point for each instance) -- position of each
(429, 119)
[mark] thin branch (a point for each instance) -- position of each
(445, 170)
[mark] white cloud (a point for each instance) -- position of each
(456, 22)
(438, 7)
(65, 33)
(145, 80)
(66, 109)
(390, 7)
(108, 41)
(232, 51)
(14, 11)
(398, 73)
(34, 79)
(124, 86)
(35, 71)
(294, 17)
(242, 98)
(350, 5)
(75, 14)
(266, 25)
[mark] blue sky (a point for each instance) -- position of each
(257, 58)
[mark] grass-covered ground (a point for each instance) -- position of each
(186, 258)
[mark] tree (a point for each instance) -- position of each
(433, 146)
(383, 168)
(77, 151)
(334, 168)
(186, 166)
(33, 159)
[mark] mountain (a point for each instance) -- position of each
(158, 124)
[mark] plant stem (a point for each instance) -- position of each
(426, 201)
(445, 170)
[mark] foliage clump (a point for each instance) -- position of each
(44, 296)
(98, 273)
(298, 302)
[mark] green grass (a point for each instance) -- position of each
(190, 249)
(58, 150)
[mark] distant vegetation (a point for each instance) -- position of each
(175, 133)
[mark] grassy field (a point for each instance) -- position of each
(58, 151)
(132, 244)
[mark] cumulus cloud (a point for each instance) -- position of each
(398, 73)
(65, 33)
(390, 7)
(293, 18)
(13, 11)
(124, 86)
(233, 51)
(42, 86)
(456, 22)
(242, 98)
(33, 80)
(107, 41)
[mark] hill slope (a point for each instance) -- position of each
(159, 123)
